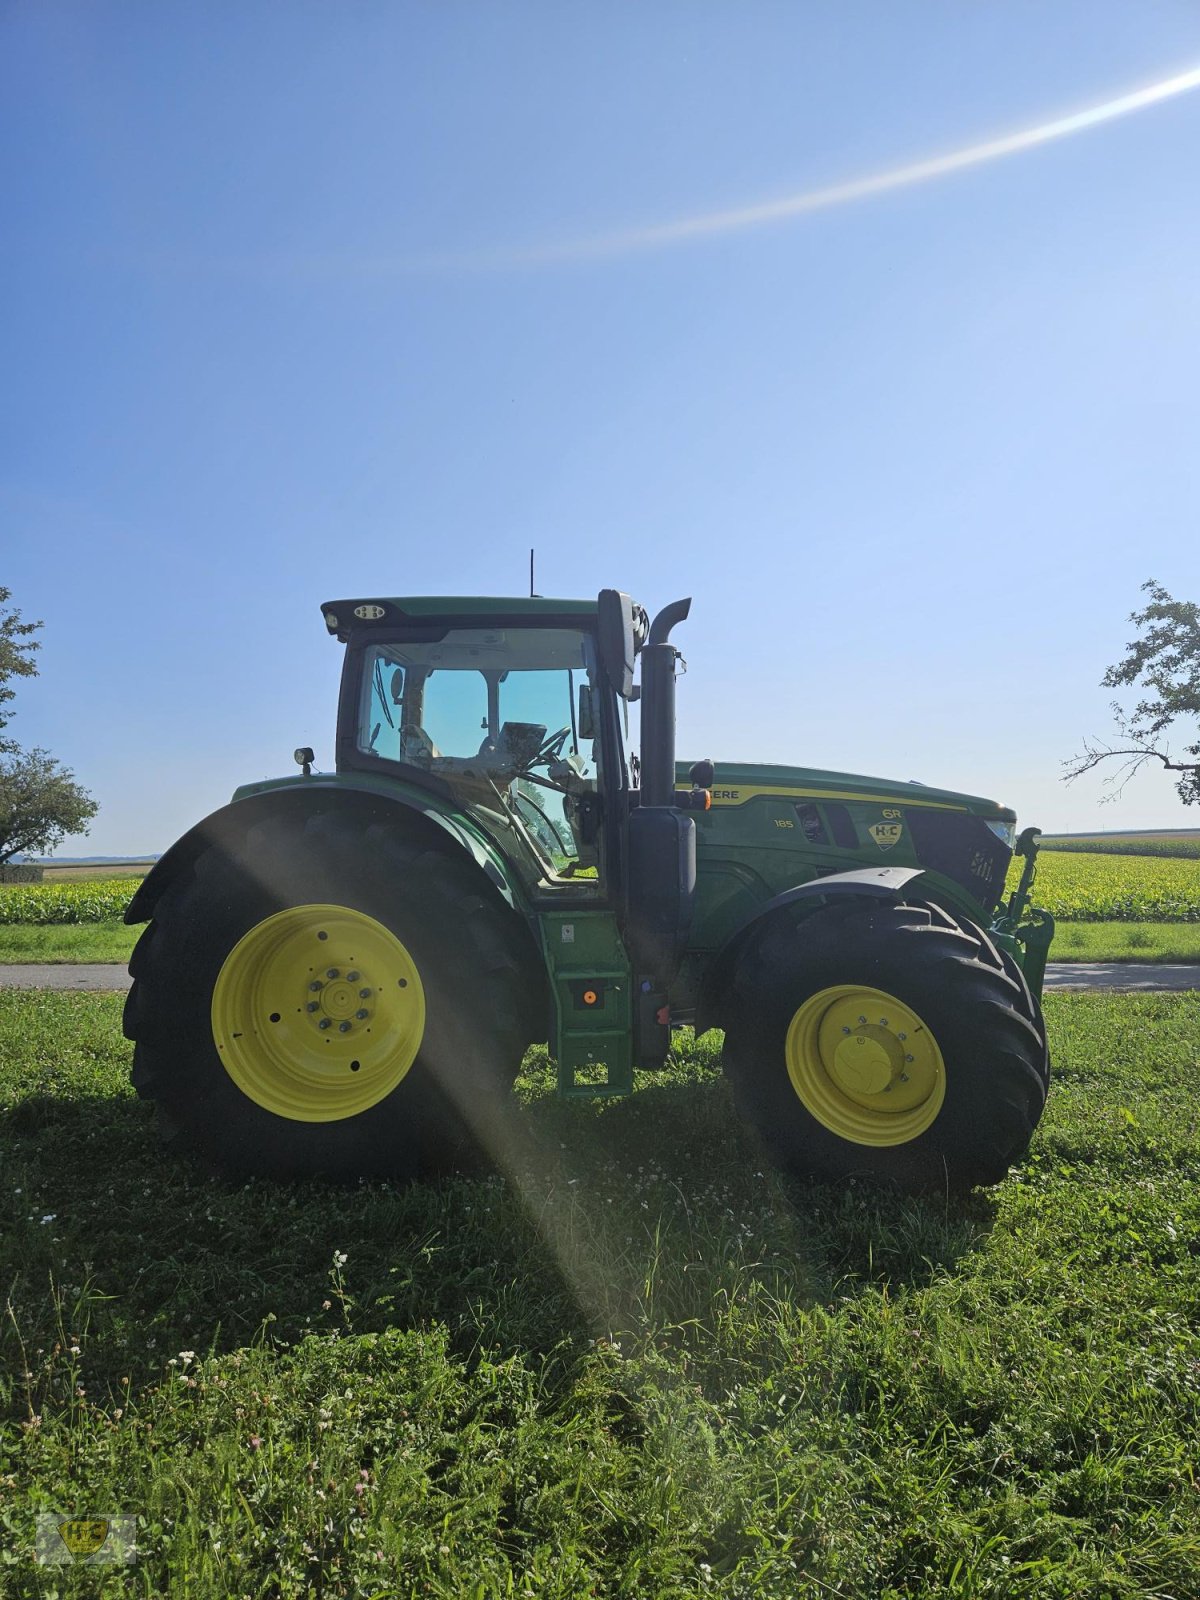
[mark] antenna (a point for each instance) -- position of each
(531, 575)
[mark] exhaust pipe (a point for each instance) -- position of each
(658, 707)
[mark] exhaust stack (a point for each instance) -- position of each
(658, 707)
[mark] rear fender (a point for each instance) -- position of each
(303, 798)
(871, 883)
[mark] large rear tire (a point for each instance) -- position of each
(891, 1042)
(330, 997)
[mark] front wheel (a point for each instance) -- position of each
(892, 1042)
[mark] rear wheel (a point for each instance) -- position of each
(888, 1041)
(330, 997)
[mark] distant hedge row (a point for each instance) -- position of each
(1144, 844)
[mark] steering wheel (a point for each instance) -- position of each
(551, 747)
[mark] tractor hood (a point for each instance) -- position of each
(735, 783)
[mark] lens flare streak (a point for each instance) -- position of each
(740, 218)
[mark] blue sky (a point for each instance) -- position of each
(285, 317)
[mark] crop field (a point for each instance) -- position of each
(630, 1361)
(1181, 842)
(85, 871)
(98, 900)
(1078, 887)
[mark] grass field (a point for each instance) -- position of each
(70, 941)
(639, 1364)
(1074, 941)
(1114, 941)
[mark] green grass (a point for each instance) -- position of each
(73, 941)
(1074, 941)
(638, 1364)
(1126, 941)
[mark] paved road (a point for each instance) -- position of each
(64, 975)
(1126, 975)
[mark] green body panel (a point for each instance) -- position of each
(750, 846)
(593, 1043)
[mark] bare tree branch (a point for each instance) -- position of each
(1165, 659)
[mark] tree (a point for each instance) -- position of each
(40, 801)
(1164, 659)
(16, 650)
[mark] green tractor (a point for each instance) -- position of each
(341, 972)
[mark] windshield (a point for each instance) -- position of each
(498, 715)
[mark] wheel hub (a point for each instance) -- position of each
(867, 1061)
(865, 1065)
(344, 999)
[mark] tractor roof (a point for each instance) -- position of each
(378, 611)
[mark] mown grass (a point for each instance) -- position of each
(1117, 941)
(72, 941)
(1073, 941)
(637, 1363)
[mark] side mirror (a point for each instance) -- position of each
(396, 686)
(623, 627)
(587, 713)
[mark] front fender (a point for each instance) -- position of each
(294, 796)
(875, 883)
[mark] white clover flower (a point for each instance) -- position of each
(49, 1217)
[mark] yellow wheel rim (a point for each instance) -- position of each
(318, 1013)
(865, 1065)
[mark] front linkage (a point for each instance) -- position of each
(1023, 930)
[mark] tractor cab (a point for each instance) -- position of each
(505, 708)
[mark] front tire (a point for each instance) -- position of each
(328, 996)
(891, 1042)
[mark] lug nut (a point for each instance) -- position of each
(902, 1036)
(883, 1022)
(362, 1013)
(845, 1030)
(364, 994)
(862, 1019)
(908, 1058)
(353, 977)
(344, 1027)
(324, 1023)
(332, 973)
(904, 1077)
(312, 1006)
(316, 986)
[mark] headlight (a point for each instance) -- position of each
(1006, 832)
